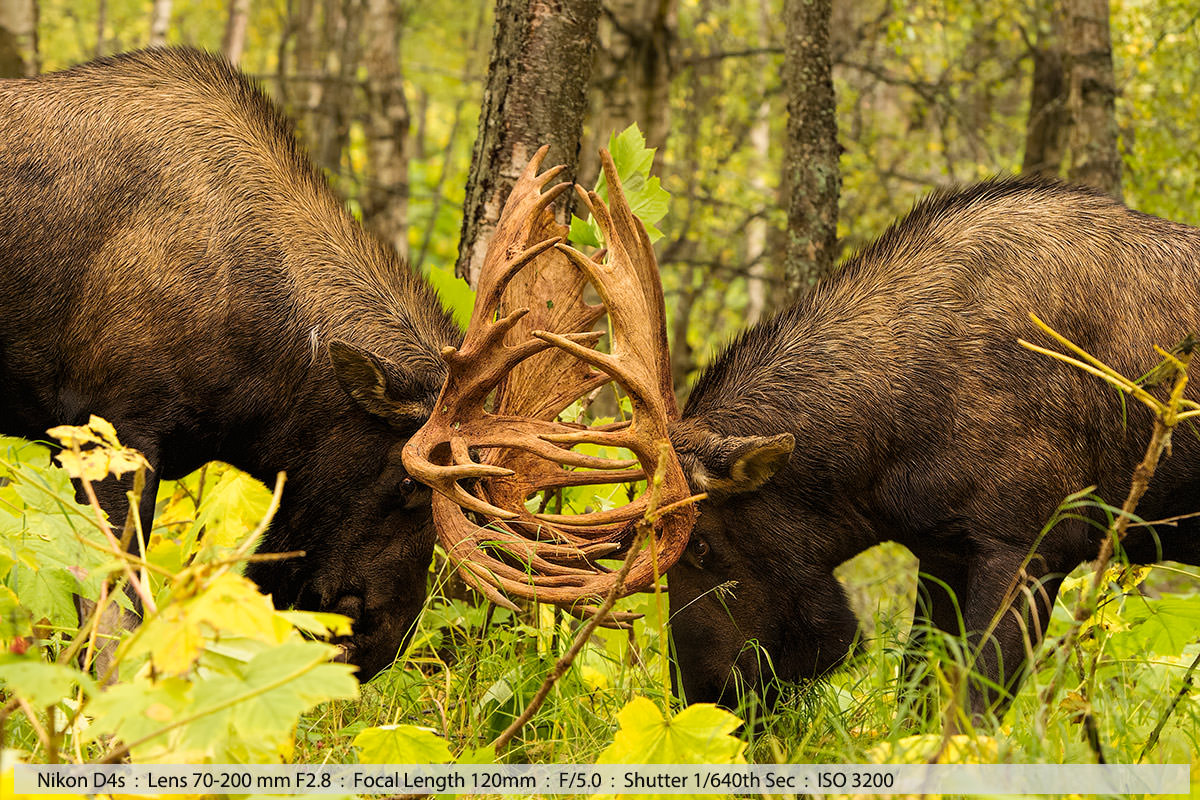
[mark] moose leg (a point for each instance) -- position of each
(1009, 600)
(941, 589)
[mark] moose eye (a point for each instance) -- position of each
(403, 495)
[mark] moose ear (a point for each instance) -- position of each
(727, 465)
(378, 385)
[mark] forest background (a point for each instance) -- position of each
(387, 97)
(788, 134)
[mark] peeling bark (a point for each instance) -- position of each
(536, 94)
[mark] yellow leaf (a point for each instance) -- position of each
(159, 712)
(174, 641)
(233, 605)
(104, 430)
(593, 678)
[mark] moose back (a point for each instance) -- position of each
(172, 261)
(895, 403)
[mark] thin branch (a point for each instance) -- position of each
(1183, 690)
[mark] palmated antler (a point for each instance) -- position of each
(529, 341)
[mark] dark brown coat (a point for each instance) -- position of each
(916, 417)
(171, 260)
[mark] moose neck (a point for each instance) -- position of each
(812, 370)
(334, 281)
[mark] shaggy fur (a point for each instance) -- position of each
(917, 418)
(171, 260)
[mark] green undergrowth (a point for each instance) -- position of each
(257, 686)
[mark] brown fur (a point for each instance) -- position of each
(919, 419)
(171, 260)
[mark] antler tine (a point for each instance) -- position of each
(529, 322)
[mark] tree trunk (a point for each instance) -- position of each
(631, 76)
(1049, 121)
(18, 39)
(235, 30)
(160, 23)
(385, 202)
(343, 24)
(308, 90)
(758, 271)
(810, 167)
(536, 94)
(101, 24)
(1095, 159)
(1047, 125)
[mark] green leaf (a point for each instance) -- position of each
(232, 508)
(318, 623)
(1165, 625)
(47, 593)
(700, 734)
(477, 755)
(40, 683)
(457, 296)
(271, 708)
(401, 744)
(585, 232)
(647, 199)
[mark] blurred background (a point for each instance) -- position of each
(386, 95)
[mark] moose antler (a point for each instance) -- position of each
(538, 362)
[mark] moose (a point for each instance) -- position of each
(894, 403)
(172, 261)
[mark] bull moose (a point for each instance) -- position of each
(894, 404)
(172, 261)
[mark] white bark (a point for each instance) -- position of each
(160, 22)
(235, 30)
(757, 283)
(18, 38)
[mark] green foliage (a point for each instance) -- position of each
(647, 199)
(401, 744)
(214, 673)
(456, 294)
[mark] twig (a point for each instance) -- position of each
(1166, 417)
(105, 528)
(1183, 690)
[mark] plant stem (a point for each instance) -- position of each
(1183, 690)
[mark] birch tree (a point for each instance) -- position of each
(18, 39)
(536, 94)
